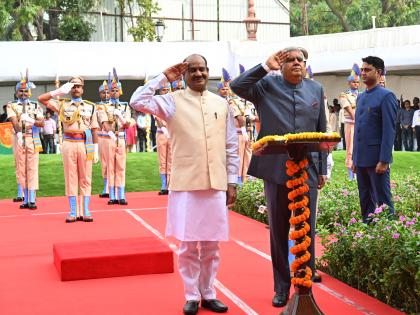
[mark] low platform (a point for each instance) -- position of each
(112, 258)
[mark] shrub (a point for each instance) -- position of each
(382, 258)
(250, 200)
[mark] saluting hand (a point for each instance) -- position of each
(175, 72)
(275, 61)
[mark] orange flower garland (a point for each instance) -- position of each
(299, 205)
(302, 136)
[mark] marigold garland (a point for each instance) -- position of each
(302, 136)
(299, 205)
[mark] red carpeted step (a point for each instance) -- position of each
(112, 258)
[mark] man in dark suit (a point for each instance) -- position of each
(285, 104)
(374, 133)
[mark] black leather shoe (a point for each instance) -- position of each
(18, 199)
(166, 192)
(87, 218)
(214, 306)
(70, 219)
(191, 308)
(162, 192)
(123, 202)
(32, 206)
(104, 196)
(316, 277)
(280, 299)
(79, 218)
(113, 202)
(24, 206)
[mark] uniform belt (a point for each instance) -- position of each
(74, 136)
(103, 135)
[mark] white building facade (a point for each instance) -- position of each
(201, 20)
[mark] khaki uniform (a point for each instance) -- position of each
(77, 117)
(26, 155)
(103, 139)
(116, 150)
(250, 127)
(164, 150)
(238, 109)
(348, 99)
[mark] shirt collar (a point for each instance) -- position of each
(22, 101)
(293, 86)
(195, 93)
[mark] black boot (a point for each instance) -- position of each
(123, 202)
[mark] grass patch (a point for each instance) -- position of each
(142, 175)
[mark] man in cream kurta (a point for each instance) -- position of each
(204, 173)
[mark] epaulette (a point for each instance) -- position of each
(62, 100)
(89, 103)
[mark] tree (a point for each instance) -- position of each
(142, 26)
(331, 16)
(25, 19)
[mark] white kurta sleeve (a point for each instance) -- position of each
(232, 157)
(144, 99)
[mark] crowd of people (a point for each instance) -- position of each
(204, 144)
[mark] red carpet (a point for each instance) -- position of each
(30, 284)
(112, 258)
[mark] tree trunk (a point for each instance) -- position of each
(346, 27)
(25, 33)
(53, 25)
(39, 23)
(385, 6)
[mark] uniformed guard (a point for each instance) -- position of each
(114, 119)
(382, 79)
(177, 85)
(80, 145)
(251, 118)
(164, 149)
(103, 138)
(26, 117)
(347, 101)
(238, 111)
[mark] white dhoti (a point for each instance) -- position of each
(199, 215)
(199, 219)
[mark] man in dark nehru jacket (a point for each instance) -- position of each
(286, 103)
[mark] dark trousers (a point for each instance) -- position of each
(141, 139)
(278, 218)
(398, 140)
(49, 144)
(407, 135)
(374, 191)
(343, 136)
(417, 128)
